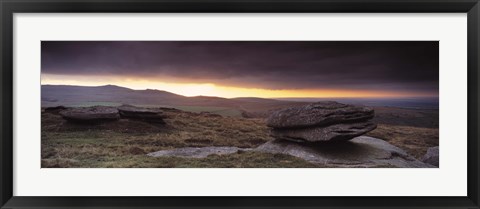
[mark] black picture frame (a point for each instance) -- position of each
(9, 7)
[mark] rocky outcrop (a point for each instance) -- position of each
(432, 156)
(90, 114)
(104, 113)
(360, 152)
(321, 121)
(363, 151)
(55, 108)
(330, 134)
(318, 114)
(148, 115)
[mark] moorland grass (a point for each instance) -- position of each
(125, 143)
(414, 140)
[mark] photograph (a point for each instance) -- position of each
(239, 104)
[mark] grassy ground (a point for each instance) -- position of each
(414, 140)
(124, 143)
(216, 110)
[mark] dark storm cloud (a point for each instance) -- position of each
(404, 66)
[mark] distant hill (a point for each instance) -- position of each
(55, 95)
(248, 107)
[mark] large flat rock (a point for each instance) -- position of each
(129, 109)
(363, 152)
(148, 115)
(90, 114)
(343, 131)
(360, 152)
(319, 114)
(195, 152)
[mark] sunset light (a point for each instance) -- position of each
(211, 89)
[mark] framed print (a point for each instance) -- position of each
(239, 104)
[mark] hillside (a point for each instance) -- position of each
(110, 95)
(246, 107)
(194, 122)
(54, 95)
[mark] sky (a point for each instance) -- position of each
(269, 69)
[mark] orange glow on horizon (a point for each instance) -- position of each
(210, 89)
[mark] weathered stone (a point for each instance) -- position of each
(360, 152)
(196, 152)
(343, 131)
(55, 108)
(318, 114)
(363, 152)
(432, 156)
(133, 111)
(149, 115)
(90, 114)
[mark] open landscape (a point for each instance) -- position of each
(239, 104)
(194, 122)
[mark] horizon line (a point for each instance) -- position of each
(289, 97)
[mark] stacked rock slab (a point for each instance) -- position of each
(321, 121)
(148, 115)
(102, 114)
(90, 114)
